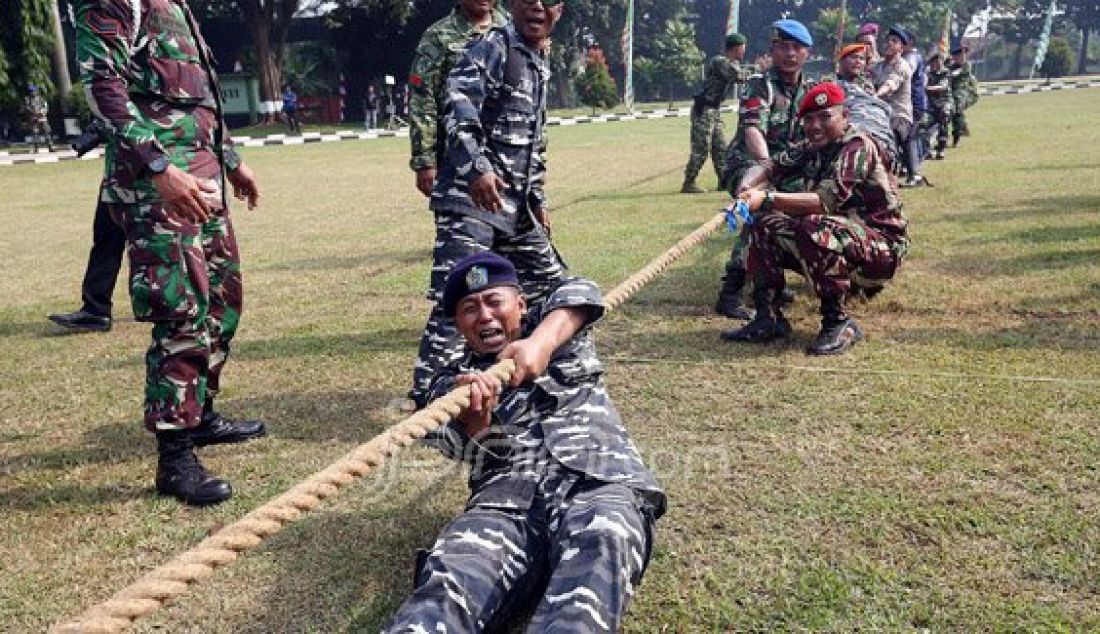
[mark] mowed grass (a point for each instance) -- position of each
(944, 475)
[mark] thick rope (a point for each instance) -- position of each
(152, 591)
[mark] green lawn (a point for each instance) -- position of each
(944, 475)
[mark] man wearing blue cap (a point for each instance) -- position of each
(893, 78)
(767, 126)
(562, 509)
(708, 134)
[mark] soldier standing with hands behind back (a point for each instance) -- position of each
(435, 55)
(150, 79)
(707, 130)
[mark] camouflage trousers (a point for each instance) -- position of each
(185, 279)
(959, 127)
(940, 119)
(577, 555)
(537, 263)
(833, 252)
(708, 137)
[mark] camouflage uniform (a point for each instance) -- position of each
(38, 111)
(561, 509)
(963, 96)
(768, 104)
(707, 130)
(941, 107)
(150, 78)
(861, 237)
(436, 53)
(495, 119)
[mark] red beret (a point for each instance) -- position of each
(823, 95)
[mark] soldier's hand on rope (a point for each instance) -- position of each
(425, 180)
(486, 190)
(531, 357)
(243, 180)
(484, 391)
(185, 195)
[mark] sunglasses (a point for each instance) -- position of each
(549, 4)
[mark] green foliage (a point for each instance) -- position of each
(1058, 60)
(676, 58)
(26, 44)
(595, 86)
(825, 28)
(311, 68)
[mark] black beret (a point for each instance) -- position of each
(475, 273)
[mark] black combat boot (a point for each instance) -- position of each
(838, 330)
(215, 429)
(182, 476)
(768, 324)
(729, 301)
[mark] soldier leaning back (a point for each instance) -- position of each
(150, 79)
(707, 130)
(562, 509)
(435, 55)
(489, 194)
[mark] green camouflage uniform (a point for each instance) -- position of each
(38, 111)
(941, 106)
(707, 130)
(150, 79)
(768, 104)
(963, 96)
(435, 55)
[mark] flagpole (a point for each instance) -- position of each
(628, 57)
(734, 16)
(1044, 40)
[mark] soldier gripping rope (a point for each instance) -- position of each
(767, 126)
(845, 232)
(562, 509)
(488, 195)
(707, 130)
(167, 158)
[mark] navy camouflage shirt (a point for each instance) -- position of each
(495, 119)
(563, 419)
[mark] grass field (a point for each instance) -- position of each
(944, 475)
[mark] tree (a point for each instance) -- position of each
(1058, 60)
(26, 46)
(676, 58)
(595, 86)
(269, 21)
(1023, 24)
(1085, 15)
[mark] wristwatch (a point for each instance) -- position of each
(158, 165)
(231, 158)
(769, 202)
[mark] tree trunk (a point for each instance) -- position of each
(60, 59)
(1083, 56)
(1017, 61)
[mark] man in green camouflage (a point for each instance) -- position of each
(435, 56)
(708, 133)
(766, 127)
(38, 114)
(964, 92)
(940, 103)
(150, 80)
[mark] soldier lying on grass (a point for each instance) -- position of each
(562, 509)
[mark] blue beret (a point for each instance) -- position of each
(793, 30)
(905, 36)
(475, 273)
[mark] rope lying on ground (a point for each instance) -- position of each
(149, 593)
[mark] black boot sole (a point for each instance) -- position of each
(200, 441)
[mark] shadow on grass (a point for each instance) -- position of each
(1043, 235)
(354, 416)
(1036, 334)
(356, 567)
(1029, 209)
(375, 264)
(403, 340)
(979, 265)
